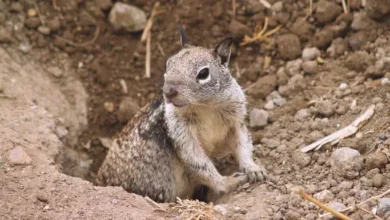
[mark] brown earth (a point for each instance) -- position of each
(60, 102)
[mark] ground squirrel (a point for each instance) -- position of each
(167, 150)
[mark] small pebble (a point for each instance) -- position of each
(378, 180)
(385, 81)
(343, 86)
(55, 71)
(18, 156)
(109, 106)
(44, 30)
(41, 196)
(32, 12)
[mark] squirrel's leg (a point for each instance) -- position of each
(243, 155)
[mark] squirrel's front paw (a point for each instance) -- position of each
(230, 183)
(255, 172)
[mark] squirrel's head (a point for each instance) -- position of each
(197, 75)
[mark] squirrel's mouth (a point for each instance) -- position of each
(176, 103)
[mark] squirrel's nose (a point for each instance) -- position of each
(170, 92)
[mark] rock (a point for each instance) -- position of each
(128, 107)
(362, 22)
(270, 143)
(31, 12)
(288, 46)
(42, 196)
(269, 105)
(338, 47)
(61, 131)
(325, 108)
(44, 30)
(86, 19)
(293, 67)
(282, 76)
(357, 40)
(263, 87)
(323, 37)
(109, 106)
(383, 206)
(295, 84)
(16, 7)
(377, 9)
(276, 98)
(5, 35)
(310, 67)
(373, 72)
(103, 4)
(302, 115)
(385, 81)
(301, 159)
(346, 162)
(18, 156)
(32, 22)
(258, 118)
(343, 86)
(378, 180)
(376, 160)
(106, 142)
(222, 210)
(358, 61)
(54, 24)
(327, 11)
(383, 65)
(292, 215)
(277, 6)
(57, 72)
(238, 29)
(303, 29)
(310, 53)
(324, 196)
(336, 205)
(25, 46)
(346, 185)
(355, 4)
(127, 17)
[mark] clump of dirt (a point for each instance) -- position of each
(319, 70)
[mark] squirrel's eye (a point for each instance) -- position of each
(203, 74)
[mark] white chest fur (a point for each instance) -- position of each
(212, 130)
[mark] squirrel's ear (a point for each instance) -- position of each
(183, 38)
(223, 49)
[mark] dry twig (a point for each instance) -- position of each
(345, 8)
(39, 14)
(194, 210)
(362, 203)
(369, 212)
(265, 3)
(55, 5)
(323, 206)
(238, 73)
(153, 203)
(149, 23)
(97, 31)
(260, 36)
(342, 133)
(160, 49)
(146, 36)
(234, 9)
(147, 62)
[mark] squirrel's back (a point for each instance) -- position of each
(143, 153)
